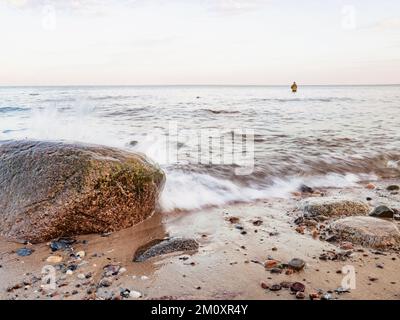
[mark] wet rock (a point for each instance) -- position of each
(367, 231)
(61, 244)
(296, 264)
(264, 285)
(257, 223)
(275, 287)
(306, 189)
(297, 287)
(341, 290)
(56, 189)
(393, 188)
(24, 252)
(333, 206)
(105, 282)
(300, 295)
(111, 270)
(125, 293)
(159, 247)
(233, 220)
(382, 212)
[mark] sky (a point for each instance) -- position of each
(189, 42)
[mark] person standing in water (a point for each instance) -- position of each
(294, 87)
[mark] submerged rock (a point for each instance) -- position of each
(367, 231)
(333, 206)
(55, 189)
(382, 212)
(159, 247)
(24, 252)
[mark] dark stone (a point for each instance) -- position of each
(54, 189)
(275, 287)
(23, 252)
(306, 189)
(296, 264)
(393, 188)
(61, 244)
(382, 212)
(160, 247)
(297, 287)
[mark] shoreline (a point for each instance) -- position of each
(227, 265)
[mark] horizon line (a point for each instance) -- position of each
(197, 85)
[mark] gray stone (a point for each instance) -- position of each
(333, 206)
(367, 231)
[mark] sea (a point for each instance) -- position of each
(223, 144)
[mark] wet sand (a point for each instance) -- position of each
(228, 264)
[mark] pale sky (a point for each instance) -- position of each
(139, 42)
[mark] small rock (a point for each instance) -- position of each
(81, 276)
(54, 259)
(306, 189)
(341, 290)
(69, 272)
(326, 296)
(300, 229)
(80, 254)
(105, 282)
(296, 264)
(382, 212)
(371, 186)
(300, 295)
(271, 264)
(135, 294)
(233, 220)
(61, 244)
(393, 188)
(264, 285)
(125, 293)
(314, 296)
(346, 246)
(122, 270)
(23, 252)
(275, 287)
(257, 223)
(297, 287)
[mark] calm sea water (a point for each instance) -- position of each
(321, 136)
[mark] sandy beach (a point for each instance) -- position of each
(229, 264)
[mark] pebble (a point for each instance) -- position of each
(326, 296)
(393, 187)
(382, 212)
(135, 294)
(297, 287)
(69, 272)
(314, 296)
(122, 270)
(125, 293)
(80, 254)
(81, 276)
(54, 259)
(306, 189)
(105, 282)
(24, 252)
(271, 264)
(371, 186)
(61, 244)
(257, 223)
(297, 264)
(264, 285)
(233, 220)
(300, 295)
(275, 287)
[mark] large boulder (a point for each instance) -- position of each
(333, 206)
(54, 189)
(367, 231)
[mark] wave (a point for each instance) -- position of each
(110, 97)
(12, 109)
(329, 99)
(221, 111)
